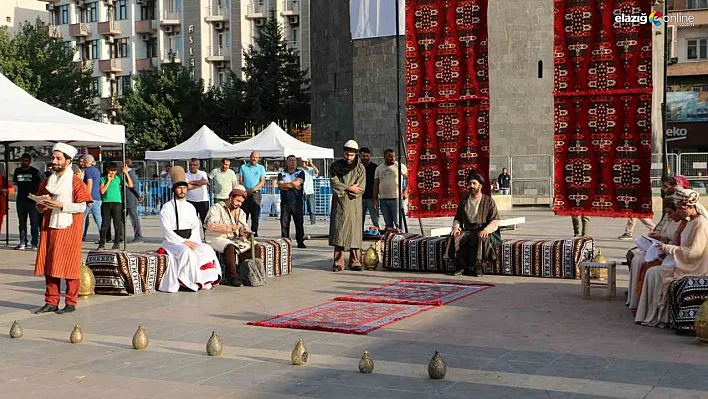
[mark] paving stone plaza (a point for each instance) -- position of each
(524, 338)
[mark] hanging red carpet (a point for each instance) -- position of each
(602, 110)
(447, 101)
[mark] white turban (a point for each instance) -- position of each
(66, 149)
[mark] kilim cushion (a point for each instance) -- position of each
(124, 273)
(686, 296)
(416, 253)
(276, 254)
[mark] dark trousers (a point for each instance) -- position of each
(111, 210)
(135, 221)
(26, 208)
(252, 207)
(295, 211)
(581, 225)
(202, 208)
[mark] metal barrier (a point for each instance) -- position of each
(532, 179)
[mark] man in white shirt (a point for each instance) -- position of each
(198, 195)
(191, 263)
(224, 179)
(311, 172)
(386, 186)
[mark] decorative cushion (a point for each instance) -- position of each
(125, 273)
(276, 254)
(686, 296)
(416, 253)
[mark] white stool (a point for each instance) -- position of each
(610, 285)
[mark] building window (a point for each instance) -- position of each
(696, 4)
(147, 13)
(97, 87)
(63, 14)
(120, 11)
(670, 41)
(124, 85)
(122, 48)
(294, 36)
(93, 52)
(697, 49)
(151, 46)
(92, 10)
(69, 47)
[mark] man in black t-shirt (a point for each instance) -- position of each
(27, 179)
(368, 196)
(290, 183)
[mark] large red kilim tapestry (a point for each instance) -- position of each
(602, 109)
(447, 101)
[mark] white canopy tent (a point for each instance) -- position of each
(273, 142)
(201, 145)
(26, 121)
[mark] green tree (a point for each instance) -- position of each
(45, 68)
(275, 88)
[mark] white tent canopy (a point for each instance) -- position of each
(201, 145)
(273, 142)
(26, 121)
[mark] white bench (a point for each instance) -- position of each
(511, 222)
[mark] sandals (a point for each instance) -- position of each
(337, 268)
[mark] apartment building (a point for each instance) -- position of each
(15, 12)
(120, 38)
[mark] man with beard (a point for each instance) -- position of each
(59, 253)
(367, 200)
(348, 179)
(475, 229)
(27, 179)
(192, 264)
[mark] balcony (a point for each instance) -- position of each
(688, 68)
(109, 103)
(218, 53)
(84, 65)
(147, 26)
(145, 64)
(217, 14)
(53, 31)
(109, 28)
(171, 55)
(292, 44)
(170, 17)
(110, 66)
(256, 11)
(80, 30)
(290, 7)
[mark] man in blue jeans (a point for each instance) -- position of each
(311, 172)
(386, 187)
(92, 179)
(27, 179)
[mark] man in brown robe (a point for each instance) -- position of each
(348, 180)
(59, 252)
(475, 229)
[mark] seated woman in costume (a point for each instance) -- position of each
(690, 255)
(668, 234)
(475, 229)
(227, 232)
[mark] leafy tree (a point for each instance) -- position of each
(45, 68)
(276, 89)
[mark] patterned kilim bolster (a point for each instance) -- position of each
(550, 258)
(686, 296)
(276, 255)
(123, 273)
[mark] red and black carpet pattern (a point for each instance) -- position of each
(447, 101)
(602, 109)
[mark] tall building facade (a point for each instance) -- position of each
(121, 38)
(14, 12)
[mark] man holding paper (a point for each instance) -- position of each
(62, 200)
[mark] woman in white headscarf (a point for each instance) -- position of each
(690, 256)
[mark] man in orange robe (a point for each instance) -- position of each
(59, 253)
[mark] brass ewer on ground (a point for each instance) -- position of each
(87, 282)
(701, 325)
(371, 259)
(599, 274)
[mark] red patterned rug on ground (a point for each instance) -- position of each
(343, 317)
(602, 111)
(417, 292)
(447, 101)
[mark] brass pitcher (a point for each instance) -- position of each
(87, 281)
(599, 274)
(77, 336)
(366, 364)
(299, 355)
(701, 324)
(371, 259)
(214, 346)
(16, 330)
(437, 368)
(140, 339)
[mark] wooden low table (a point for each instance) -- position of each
(587, 283)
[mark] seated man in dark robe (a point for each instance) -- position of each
(475, 229)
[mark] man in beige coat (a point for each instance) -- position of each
(348, 180)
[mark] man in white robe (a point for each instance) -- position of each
(191, 263)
